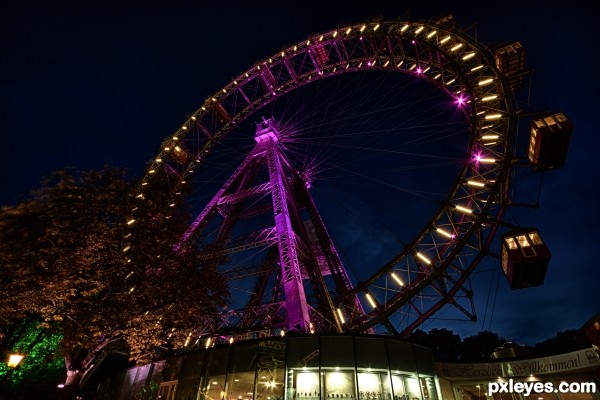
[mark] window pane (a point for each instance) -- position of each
(401, 357)
(510, 242)
(413, 391)
(303, 385)
(535, 238)
(240, 380)
(522, 239)
(303, 352)
(371, 353)
(398, 386)
(374, 386)
(339, 385)
(270, 370)
(337, 351)
(429, 388)
(212, 384)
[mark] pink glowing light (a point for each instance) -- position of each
(413, 42)
(461, 100)
(477, 157)
(419, 70)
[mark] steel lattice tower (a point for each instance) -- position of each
(298, 239)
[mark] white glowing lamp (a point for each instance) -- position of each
(424, 258)
(397, 279)
(371, 300)
(341, 315)
(14, 360)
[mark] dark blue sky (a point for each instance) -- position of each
(84, 84)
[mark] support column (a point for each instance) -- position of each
(298, 317)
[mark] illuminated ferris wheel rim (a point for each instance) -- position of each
(437, 53)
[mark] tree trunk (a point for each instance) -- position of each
(80, 363)
(71, 388)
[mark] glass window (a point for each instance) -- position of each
(401, 357)
(338, 384)
(429, 387)
(535, 238)
(424, 359)
(188, 385)
(188, 388)
(399, 392)
(473, 391)
(303, 352)
(240, 380)
(371, 353)
(510, 242)
(522, 239)
(374, 385)
(141, 378)
(337, 351)
(212, 384)
(270, 371)
(304, 384)
(129, 386)
(303, 368)
(413, 389)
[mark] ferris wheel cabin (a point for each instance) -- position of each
(525, 258)
(549, 141)
(510, 60)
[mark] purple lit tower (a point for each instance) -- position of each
(302, 246)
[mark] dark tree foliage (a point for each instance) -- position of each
(69, 255)
(444, 343)
(562, 342)
(479, 347)
(447, 346)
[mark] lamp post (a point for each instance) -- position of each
(14, 360)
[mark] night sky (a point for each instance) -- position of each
(85, 84)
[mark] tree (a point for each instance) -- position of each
(444, 343)
(98, 265)
(479, 347)
(562, 342)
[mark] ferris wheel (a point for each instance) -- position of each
(281, 161)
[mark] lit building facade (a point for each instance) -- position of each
(315, 367)
(463, 381)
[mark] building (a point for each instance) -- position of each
(462, 381)
(314, 367)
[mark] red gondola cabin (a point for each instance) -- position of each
(525, 258)
(510, 60)
(549, 141)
